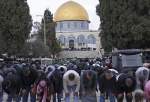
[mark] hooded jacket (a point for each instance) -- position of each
(12, 84)
(29, 80)
(57, 81)
(67, 82)
(121, 85)
(107, 85)
(142, 74)
(88, 84)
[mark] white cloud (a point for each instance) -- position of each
(37, 7)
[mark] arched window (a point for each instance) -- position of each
(62, 40)
(91, 39)
(81, 40)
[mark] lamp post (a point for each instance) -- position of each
(44, 28)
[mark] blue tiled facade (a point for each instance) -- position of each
(72, 26)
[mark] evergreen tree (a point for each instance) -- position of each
(125, 24)
(33, 48)
(51, 40)
(15, 25)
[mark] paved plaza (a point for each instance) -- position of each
(98, 94)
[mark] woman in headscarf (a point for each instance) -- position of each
(42, 91)
(147, 91)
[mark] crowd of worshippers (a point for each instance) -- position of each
(80, 81)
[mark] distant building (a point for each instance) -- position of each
(72, 31)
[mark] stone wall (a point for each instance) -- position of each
(79, 54)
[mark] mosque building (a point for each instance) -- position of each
(73, 33)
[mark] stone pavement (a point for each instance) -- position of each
(98, 94)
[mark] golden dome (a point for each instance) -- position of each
(71, 11)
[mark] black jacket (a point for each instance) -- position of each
(12, 84)
(57, 81)
(107, 85)
(29, 80)
(122, 87)
(89, 84)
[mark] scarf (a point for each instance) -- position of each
(42, 88)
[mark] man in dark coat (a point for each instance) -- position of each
(125, 84)
(57, 81)
(88, 86)
(12, 86)
(107, 84)
(29, 77)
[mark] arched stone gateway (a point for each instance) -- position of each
(71, 44)
(71, 41)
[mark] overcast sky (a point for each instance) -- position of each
(37, 7)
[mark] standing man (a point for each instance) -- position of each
(71, 84)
